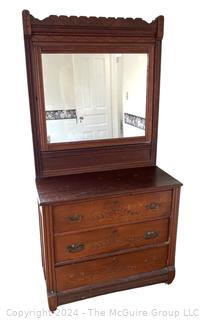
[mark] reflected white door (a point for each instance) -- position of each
(92, 95)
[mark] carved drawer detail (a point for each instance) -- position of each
(105, 240)
(124, 209)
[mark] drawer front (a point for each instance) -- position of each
(108, 269)
(88, 214)
(88, 243)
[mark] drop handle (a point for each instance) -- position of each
(76, 247)
(74, 218)
(151, 234)
(81, 118)
(153, 206)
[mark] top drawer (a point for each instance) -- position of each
(123, 209)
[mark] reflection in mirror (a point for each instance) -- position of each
(94, 96)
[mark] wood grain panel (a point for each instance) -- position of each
(93, 159)
(101, 270)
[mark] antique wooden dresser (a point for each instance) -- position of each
(108, 215)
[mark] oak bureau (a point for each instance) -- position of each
(108, 215)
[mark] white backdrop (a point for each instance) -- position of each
(180, 152)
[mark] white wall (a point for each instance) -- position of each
(131, 131)
(180, 152)
(58, 80)
(134, 83)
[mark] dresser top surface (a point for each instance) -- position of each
(99, 184)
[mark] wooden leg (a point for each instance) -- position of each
(171, 275)
(52, 302)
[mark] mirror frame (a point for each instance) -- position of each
(62, 34)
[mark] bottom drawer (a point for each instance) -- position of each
(110, 268)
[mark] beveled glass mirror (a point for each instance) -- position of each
(94, 96)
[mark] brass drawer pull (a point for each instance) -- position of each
(74, 218)
(151, 234)
(153, 206)
(76, 247)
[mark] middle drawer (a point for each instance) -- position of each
(73, 246)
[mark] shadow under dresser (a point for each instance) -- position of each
(107, 231)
